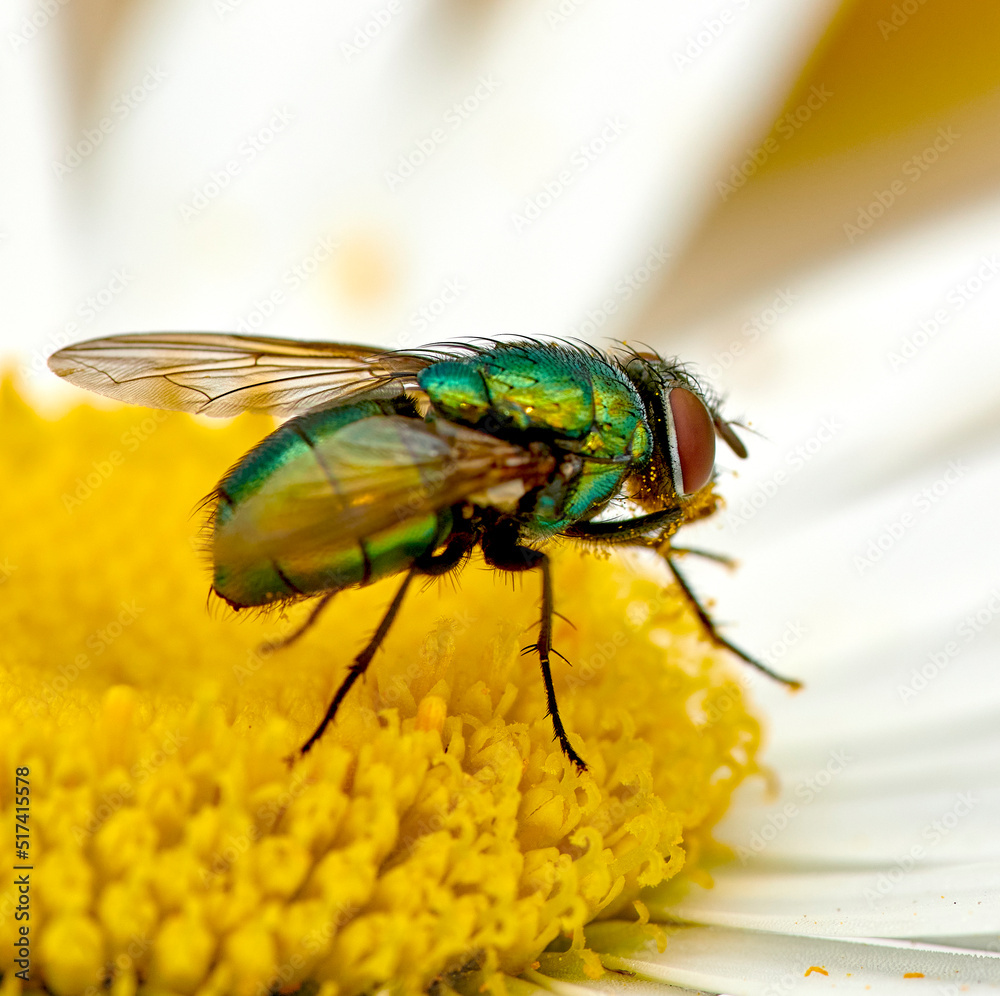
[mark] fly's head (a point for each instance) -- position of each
(684, 422)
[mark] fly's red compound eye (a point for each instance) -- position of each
(692, 441)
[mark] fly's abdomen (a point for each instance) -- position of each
(305, 511)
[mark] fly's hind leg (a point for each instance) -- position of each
(430, 563)
(521, 558)
(361, 662)
(269, 646)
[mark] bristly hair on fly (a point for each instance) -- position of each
(207, 509)
(472, 345)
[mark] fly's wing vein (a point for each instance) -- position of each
(387, 470)
(218, 374)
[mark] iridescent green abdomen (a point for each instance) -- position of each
(295, 516)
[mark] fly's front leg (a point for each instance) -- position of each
(636, 532)
(521, 558)
(694, 551)
(708, 625)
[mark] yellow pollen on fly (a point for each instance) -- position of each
(435, 832)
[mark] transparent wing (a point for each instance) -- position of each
(373, 474)
(213, 373)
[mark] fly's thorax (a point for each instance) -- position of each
(546, 392)
(577, 404)
(456, 391)
(508, 392)
(619, 427)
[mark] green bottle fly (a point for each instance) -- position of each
(405, 462)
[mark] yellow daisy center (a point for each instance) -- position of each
(435, 832)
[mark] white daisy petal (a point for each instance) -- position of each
(866, 804)
(906, 899)
(743, 963)
(577, 984)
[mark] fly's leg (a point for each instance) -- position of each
(522, 558)
(636, 532)
(694, 551)
(361, 662)
(627, 531)
(455, 550)
(269, 646)
(709, 626)
(544, 648)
